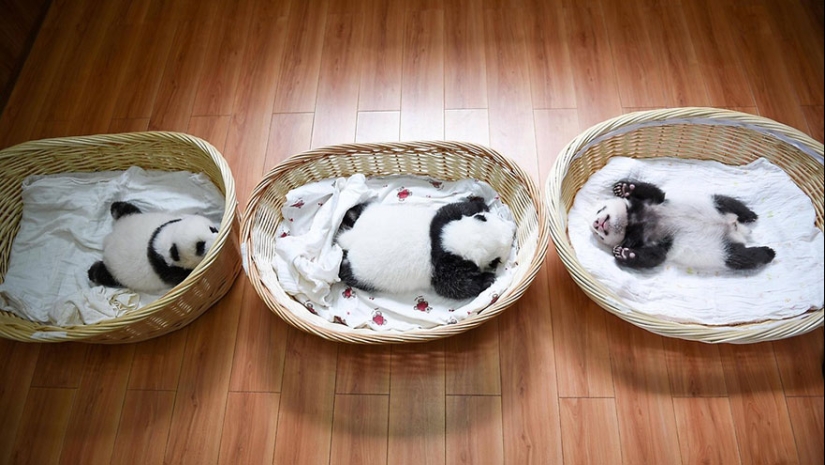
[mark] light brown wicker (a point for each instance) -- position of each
(693, 133)
(149, 150)
(439, 160)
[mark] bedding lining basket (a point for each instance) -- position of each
(729, 137)
(166, 151)
(446, 161)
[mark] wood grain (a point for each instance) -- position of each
(249, 428)
(590, 431)
(422, 77)
(40, 435)
(474, 430)
(144, 427)
(16, 369)
(359, 430)
(706, 430)
(807, 419)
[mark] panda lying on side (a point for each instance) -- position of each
(644, 230)
(151, 252)
(402, 248)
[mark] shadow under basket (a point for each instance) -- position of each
(445, 161)
(724, 136)
(164, 151)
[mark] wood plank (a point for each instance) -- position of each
(307, 400)
(381, 59)
(197, 419)
(467, 126)
(554, 130)
(643, 401)
(473, 365)
(508, 88)
(597, 88)
(465, 80)
(92, 427)
(760, 413)
(60, 365)
(417, 417)
(694, 369)
(363, 369)
(336, 107)
(800, 364)
(17, 368)
(157, 362)
(298, 77)
(378, 126)
(359, 430)
(143, 428)
(289, 134)
(807, 418)
(529, 394)
(721, 66)
(258, 363)
(474, 432)
(45, 419)
(590, 431)
(120, 125)
(551, 75)
(249, 428)
(222, 65)
(816, 121)
(422, 79)
(706, 433)
(213, 129)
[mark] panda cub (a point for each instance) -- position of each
(644, 229)
(151, 252)
(453, 250)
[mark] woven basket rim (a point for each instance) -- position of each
(51, 333)
(296, 315)
(557, 213)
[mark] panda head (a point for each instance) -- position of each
(185, 242)
(482, 238)
(609, 223)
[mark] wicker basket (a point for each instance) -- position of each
(692, 133)
(149, 150)
(446, 161)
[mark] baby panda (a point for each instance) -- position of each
(453, 250)
(644, 229)
(151, 252)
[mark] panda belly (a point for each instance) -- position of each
(125, 251)
(388, 248)
(700, 235)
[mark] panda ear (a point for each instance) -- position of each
(173, 252)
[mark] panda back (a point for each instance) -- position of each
(388, 248)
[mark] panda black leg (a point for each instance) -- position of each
(99, 274)
(347, 276)
(725, 204)
(121, 209)
(627, 188)
(740, 257)
(460, 279)
(351, 216)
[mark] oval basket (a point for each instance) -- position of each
(149, 150)
(725, 136)
(447, 161)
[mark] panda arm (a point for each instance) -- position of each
(628, 188)
(725, 204)
(640, 256)
(456, 278)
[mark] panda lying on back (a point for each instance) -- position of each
(402, 248)
(644, 229)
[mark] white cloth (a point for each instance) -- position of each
(65, 218)
(788, 286)
(306, 259)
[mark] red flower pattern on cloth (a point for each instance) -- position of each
(378, 318)
(422, 305)
(403, 193)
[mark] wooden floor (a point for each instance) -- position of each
(553, 380)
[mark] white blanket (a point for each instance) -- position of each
(307, 260)
(790, 285)
(65, 218)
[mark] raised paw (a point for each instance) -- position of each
(623, 189)
(623, 253)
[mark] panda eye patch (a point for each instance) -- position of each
(480, 217)
(200, 248)
(601, 210)
(173, 252)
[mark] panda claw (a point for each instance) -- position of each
(623, 189)
(623, 253)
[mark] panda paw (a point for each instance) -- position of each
(623, 254)
(623, 189)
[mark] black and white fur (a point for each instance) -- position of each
(644, 229)
(151, 252)
(453, 250)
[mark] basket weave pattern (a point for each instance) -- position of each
(447, 161)
(149, 150)
(728, 137)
